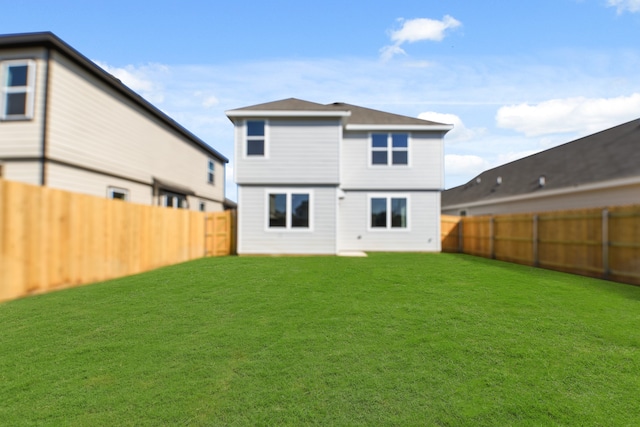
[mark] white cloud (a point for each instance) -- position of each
(414, 30)
(625, 5)
(419, 29)
(566, 115)
(458, 168)
(459, 132)
(141, 79)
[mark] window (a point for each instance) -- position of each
(173, 200)
(388, 212)
(389, 149)
(203, 206)
(211, 172)
(289, 210)
(16, 97)
(117, 193)
(256, 137)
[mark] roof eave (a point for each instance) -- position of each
(285, 113)
(548, 193)
(399, 127)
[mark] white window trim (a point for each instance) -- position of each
(388, 228)
(111, 190)
(389, 150)
(245, 139)
(288, 228)
(29, 89)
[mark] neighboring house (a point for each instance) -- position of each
(66, 123)
(327, 179)
(599, 170)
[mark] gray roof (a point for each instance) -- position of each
(359, 115)
(611, 154)
(50, 40)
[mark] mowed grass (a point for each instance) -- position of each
(392, 339)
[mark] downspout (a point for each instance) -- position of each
(45, 121)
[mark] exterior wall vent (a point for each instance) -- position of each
(542, 181)
(499, 180)
(478, 180)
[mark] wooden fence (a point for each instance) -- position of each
(52, 239)
(593, 242)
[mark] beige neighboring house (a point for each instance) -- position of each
(66, 123)
(596, 171)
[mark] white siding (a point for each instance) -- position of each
(425, 169)
(95, 184)
(624, 195)
(255, 238)
(92, 126)
(27, 172)
(298, 152)
(423, 233)
(23, 138)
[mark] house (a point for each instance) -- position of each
(599, 170)
(68, 124)
(328, 179)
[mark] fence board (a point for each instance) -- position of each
(51, 239)
(592, 242)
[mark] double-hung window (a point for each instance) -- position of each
(289, 210)
(256, 138)
(211, 168)
(389, 149)
(17, 89)
(388, 212)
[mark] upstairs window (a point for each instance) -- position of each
(17, 89)
(389, 149)
(256, 138)
(289, 210)
(211, 172)
(388, 213)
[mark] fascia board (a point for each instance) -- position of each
(550, 193)
(285, 113)
(363, 127)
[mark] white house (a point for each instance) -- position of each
(327, 179)
(66, 123)
(596, 171)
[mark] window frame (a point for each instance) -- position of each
(164, 195)
(112, 190)
(389, 208)
(211, 172)
(28, 90)
(247, 138)
(288, 192)
(389, 149)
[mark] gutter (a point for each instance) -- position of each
(603, 185)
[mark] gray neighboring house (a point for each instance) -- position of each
(66, 123)
(598, 170)
(329, 179)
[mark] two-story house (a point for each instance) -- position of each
(328, 179)
(68, 124)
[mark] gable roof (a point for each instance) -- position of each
(353, 116)
(604, 156)
(51, 41)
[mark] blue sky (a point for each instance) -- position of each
(514, 77)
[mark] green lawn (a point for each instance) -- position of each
(392, 339)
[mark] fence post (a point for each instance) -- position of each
(605, 243)
(492, 237)
(536, 260)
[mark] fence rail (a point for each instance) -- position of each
(593, 242)
(52, 239)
